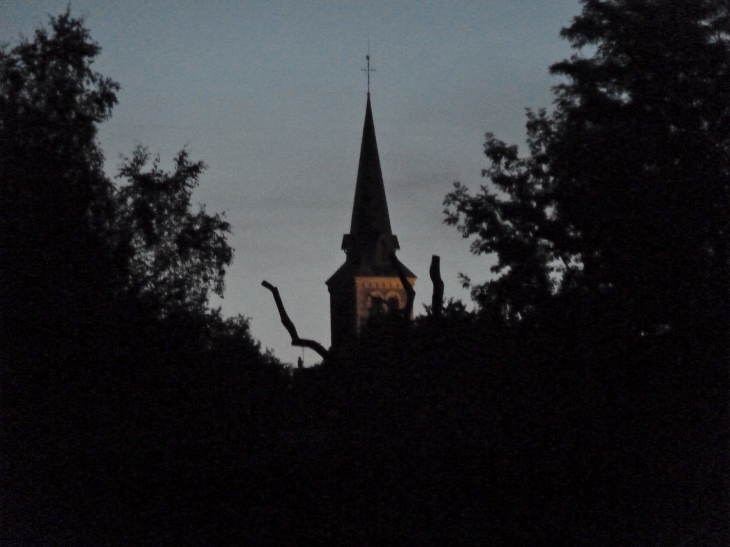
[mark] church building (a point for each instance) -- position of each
(368, 282)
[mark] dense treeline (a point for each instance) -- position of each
(116, 377)
(584, 401)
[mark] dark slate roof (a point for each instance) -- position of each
(370, 210)
(370, 240)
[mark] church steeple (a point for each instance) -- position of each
(370, 210)
(370, 224)
(368, 278)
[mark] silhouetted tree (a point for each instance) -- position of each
(56, 211)
(60, 278)
(625, 189)
(517, 222)
(179, 255)
(125, 401)
(612, 236)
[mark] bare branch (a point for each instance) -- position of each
(289, 325)
(437, 299)
(408, 310)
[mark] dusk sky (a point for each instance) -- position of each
(270, 94)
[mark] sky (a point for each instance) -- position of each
(271, 96)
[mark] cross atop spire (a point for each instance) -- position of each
(368, 69)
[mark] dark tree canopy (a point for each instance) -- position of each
(179, 256)
(612, 241)
(593, 413)
(118, 383)
(56, 209)
(625, 189)
(517, 222)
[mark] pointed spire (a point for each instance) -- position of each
(370, 210)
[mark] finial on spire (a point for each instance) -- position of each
(368, 69)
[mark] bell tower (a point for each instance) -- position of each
(368, 282)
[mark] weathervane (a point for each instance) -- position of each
(368, 69)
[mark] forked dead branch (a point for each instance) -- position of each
(289, 325)
(436, 302)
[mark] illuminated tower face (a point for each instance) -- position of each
(367, 283)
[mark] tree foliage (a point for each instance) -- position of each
(626, 184)
(118, 383)
(132, 414)
(179, 256)
(612, 237)
(517, 222)
(56, 209)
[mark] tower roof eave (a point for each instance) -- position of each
(350, 271)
